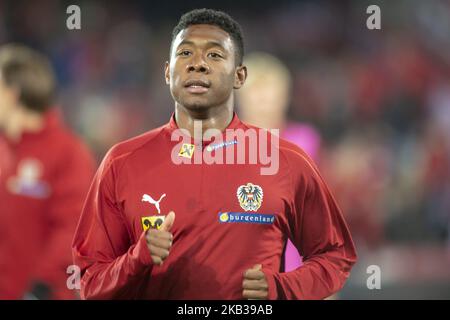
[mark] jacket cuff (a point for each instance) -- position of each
(272, 285)
(141, 255)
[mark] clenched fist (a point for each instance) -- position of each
(159, 241)
(254, 285)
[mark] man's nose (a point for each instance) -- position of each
(198, 64)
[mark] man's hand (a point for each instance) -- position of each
(255, 284)
(159, 241)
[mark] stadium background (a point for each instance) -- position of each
(379, 98)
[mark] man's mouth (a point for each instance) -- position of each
(197, 86)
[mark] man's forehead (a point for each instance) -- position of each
(205, 33)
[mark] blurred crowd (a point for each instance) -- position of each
(379, 99)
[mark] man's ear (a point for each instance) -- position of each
(167, 72)
(240, 76)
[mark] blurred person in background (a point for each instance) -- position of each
(264, 102)
(45, 172)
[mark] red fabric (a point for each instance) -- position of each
(208, 258)
(38, 219)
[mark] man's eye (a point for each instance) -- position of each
(184, 53)
(215, 55)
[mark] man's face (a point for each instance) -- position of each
(8, 100)
(202, 71)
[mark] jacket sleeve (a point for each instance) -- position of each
(70, 185)
(318, 230)
(112, 267)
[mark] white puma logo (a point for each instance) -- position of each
(149, 199)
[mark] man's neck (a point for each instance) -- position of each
(23, 121)
(212, 118)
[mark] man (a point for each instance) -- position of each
(45, 173)
(232, 221)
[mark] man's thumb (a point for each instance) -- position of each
(168, 222)
(257, 267)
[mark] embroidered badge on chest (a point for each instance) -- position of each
(187, 150)
(250, 196)
(153, 222)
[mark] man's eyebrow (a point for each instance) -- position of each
(210, 43)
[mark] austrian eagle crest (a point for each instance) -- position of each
(250, 196)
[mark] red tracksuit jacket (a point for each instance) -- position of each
(44, 179)
(217, 234)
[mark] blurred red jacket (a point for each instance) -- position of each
(44, 179)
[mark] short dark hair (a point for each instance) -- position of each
(30, 72)
(215, 18)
